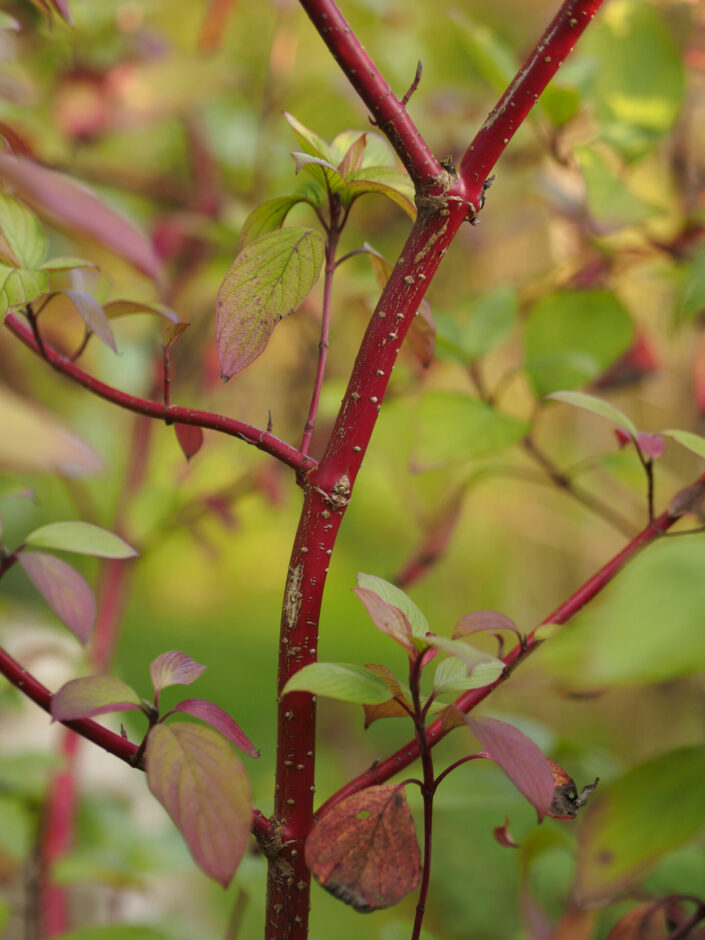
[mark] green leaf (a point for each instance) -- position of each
(123, 308)
(323, 172)
(571, 337)
(489, 323)
(638, 82)
(391, 594)
(646, 626)
(343, 681)
(66, 264)
(82, 538)
(609, 199)
(17, 828)
(386, 180)
(93, 695)
(459, 673)
(598, 407)
(694, 442)
(200, 781)
(691, 294)
(8, 22)
(377, 151)
(19, 287)
(267, 218)
(452, 427)
(310, 141)
(267, 281)
(25, 243)
(633, 821)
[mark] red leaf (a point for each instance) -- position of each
(64, 589)
(623, 437)
(201, 783)
(218, 719)
(190, 438)
(173, 668)
(364, 850)
(70, 204)
(520, 759)
(504, 836)
(387, 618)
(479, 620)
(646, 922)
(93, 695)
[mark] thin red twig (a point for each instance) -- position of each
(390, 766)
(262, 440)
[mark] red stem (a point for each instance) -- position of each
(388, 113)
(406, 755)
(428, 790)
(331, 246)
(506, 117)
(263, 440)
(56, 839)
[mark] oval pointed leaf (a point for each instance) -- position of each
(19, 287)
(70, 204)
(219, 720)
(324, 173)
(393, 595)
(396, 707)
(364, 850)
(310, 141)
(190, 438)
(93, 695)
(122, 308)
(454, 675)
(174, 668)
(268, 217)
(200, 781)
(82, 538)
(387, 618)
(385, 180)
(267, 281)
(598, 407)
(64, 589)
(478, 621)
(520, 759)
(92, 315)
(343, 681)
(25, 241)
(693, 442)
(638, 818)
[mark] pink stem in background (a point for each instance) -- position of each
(263, 440)
(331, 246)
(56, 839)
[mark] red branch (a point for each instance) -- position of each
(263, 440)
(388, 112)
(406, 755)
(508, 114)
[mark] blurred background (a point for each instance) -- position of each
(587, 271)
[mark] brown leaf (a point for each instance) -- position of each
(392, 708)
(577, 925)
(504, 837)
(645, 922)
(364, 850)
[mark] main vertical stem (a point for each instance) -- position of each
(327, 491)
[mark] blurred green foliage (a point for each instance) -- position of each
(587, 268)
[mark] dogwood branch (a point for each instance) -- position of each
(262, 440)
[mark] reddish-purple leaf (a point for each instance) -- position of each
(479, 620)
(537, 925)
(651, 445)
(93, 695)
(504, 837)
(689, 499)
(364, 850)
(68, 203)
(623, 437)
(92, 315)
(387, 618)
(214, 716)
(200, 781)
(173, 668)
(190, 438)
(520, 759)
(64, 589)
